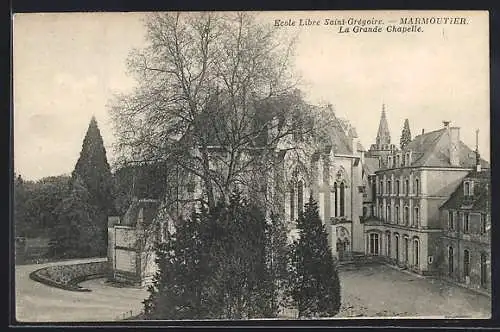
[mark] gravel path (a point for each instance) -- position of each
(36, 302)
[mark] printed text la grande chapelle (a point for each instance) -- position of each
(407, 24)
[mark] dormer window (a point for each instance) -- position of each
(468, 188)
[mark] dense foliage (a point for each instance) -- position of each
(314, 283)
(216, 265)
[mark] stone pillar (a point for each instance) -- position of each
(112, 221)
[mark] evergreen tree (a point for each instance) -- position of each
(75, 234)
(314, 282)
(215, 266)
(93, 169)
(405, 135)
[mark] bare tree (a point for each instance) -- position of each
(216, 97)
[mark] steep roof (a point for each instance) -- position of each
(432, 149)
(371, 165)
(480, 201)
(383, 133)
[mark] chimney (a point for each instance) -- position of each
(423, 131)
(454, 135)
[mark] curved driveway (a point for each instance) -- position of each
(36, 302)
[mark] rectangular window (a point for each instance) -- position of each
(389, 189)
(466, 222)
(397, 214)
(416, 216)
(483, 223)
(397, 187)
(407, 187)
(381, 187)
(451, 221)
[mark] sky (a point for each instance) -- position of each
(67, 66)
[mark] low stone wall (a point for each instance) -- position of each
(70, 275)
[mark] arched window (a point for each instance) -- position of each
(300, 199)
(397, 187)
(381, 187)
(335, 199)
(407, 186)
(398, 163)
(466, 263)
(397, 214)
(406, 215)
(342, 199)
(389, 189)
(381, 212)
(416, 253)
(389, 216)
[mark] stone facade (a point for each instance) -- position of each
(410, 187)
(466, 238)
(131, 240)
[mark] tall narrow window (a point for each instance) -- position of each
(416, 253)
(374, 244)
(389, 188)
(466, 188)
(416, 216)
(388, 237)
(416, 188)
(398, 162)
(484, 270)
(450, 261)
(406, 215)
(466, 263)
(381, 212)
(407, 186)
(451, 221)
(374, 189)
(381, 187)
(397, 187)
(342, 199)
(335, 199)
(483, 223)
(466, 222)
(389, 216)
(300, 194)
(396, 246)
(396, 214)
(292, 203)
(406, 249)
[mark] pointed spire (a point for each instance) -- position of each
(383, 134)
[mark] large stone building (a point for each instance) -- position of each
(333, 174)
(466, 237)
(410, 186)
(383, 202)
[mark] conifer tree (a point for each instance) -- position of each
(215, 266)
(75, 233)
(314, 282)
(405, 135)
(94, 171)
